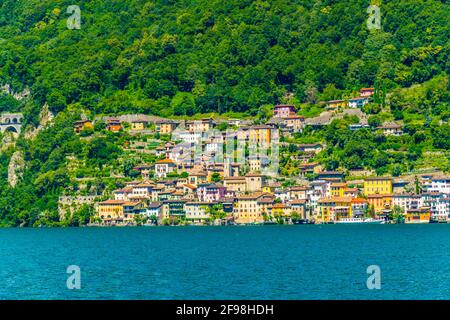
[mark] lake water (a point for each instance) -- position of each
(261, 262)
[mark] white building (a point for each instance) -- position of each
(163, 167)
(438, 184)
(439, 205)
(407, 201)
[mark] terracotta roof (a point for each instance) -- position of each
(359, 200)
(298, 201)
(254, 196)
(233, 178)
(338, 184)
(284, 106)
(378, 178)
(165, 161)
(390, 126)
(201, 174)
(335, 199)
(253, 174)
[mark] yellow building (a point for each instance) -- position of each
(202, 125)
(269, 188)
(196, 178)
(250, 208)
(334, 208)
(279, 211)
(421, 215)
(377, 186)
(337, 189)
(111, 210)
(81, 125)
(236, 184)
(165, 126)
(380, 202)
(334, 104)
(139, 125)
(260, 134)
(253, 182)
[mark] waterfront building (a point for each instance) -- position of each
(279, 211)
(197, 212)
(439, 184)
(117, 211)
(381, 203)
(300, 206)
(359, 207)
(250, 208)
(172, 209)
(421, 215)
(334, 208)
(439, 205)
(153, 209)
(407, 201)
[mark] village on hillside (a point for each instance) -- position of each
(208, 172)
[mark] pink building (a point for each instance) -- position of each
(367, 92)
(284, 110)
(210, 192)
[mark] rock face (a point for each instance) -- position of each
(17, 95)
(46, 116)
(15, 168)
(45, 120)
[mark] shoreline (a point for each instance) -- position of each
(213, 226)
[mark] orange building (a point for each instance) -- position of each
(114, 125)
(380, 202)
(81, 125)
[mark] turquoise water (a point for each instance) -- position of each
(270, 262)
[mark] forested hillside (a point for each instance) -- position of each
(183, 57)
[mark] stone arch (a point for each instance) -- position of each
(11, 129)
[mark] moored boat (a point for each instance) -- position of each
(360, 220)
